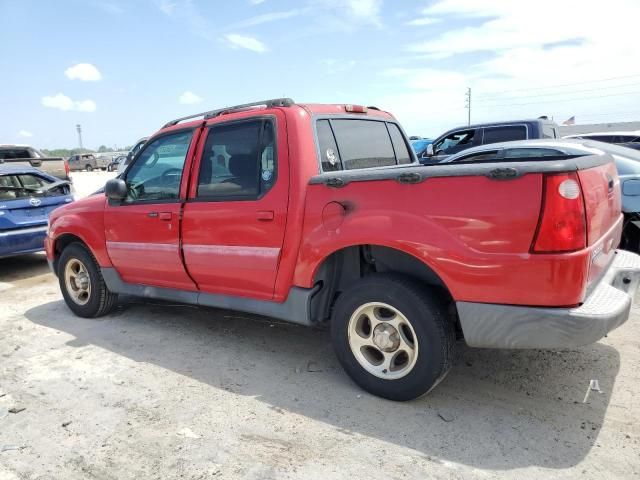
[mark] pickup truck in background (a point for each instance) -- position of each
(459, 139)
(320, 215)
(88, 162)
(24, 155)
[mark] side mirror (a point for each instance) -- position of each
(115, 189)
(429, 150)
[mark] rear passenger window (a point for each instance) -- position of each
(329, 155)
(347, 144)
(504, 134)
(399, 145)
(239, 161)
(14, 153)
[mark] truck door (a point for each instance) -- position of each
(234, 221)
(143, 232)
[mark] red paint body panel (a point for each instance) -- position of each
(601, 190)
(146, 249)
(473, 232)
(143, 239)
(84, 219)
(233, 247)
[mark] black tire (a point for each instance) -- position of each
(88, 168)
(434, 332)
(101, 301)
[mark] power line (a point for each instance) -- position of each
(565, 100)
(566, 84)
(609, 114)
(497, 99)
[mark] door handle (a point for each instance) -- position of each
(165, 216)
(265, 215)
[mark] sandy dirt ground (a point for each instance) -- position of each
(165, 391)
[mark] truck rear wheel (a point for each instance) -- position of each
(392, 336)
(81, 283)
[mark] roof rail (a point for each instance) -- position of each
(275, 102)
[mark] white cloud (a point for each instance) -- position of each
(243, 41)
(335, 66)
(256, 2)
(61, 102)
(421, 22)
(189, 98)
(167, 7)
(187, 12)
(25, 133)
(353, 11)
(519, 62)
(267, 18)
(365, 9)
(85, 72)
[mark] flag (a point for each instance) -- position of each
(570, 121)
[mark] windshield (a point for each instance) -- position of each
(23, 185)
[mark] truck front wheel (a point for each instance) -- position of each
(83, 288)
(88, 168)
(392, 336)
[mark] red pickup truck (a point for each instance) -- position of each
(320, 214)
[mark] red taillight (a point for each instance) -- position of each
(66, 168)
(562, 224)
(355, 109)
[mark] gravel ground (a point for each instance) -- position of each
(166, 391)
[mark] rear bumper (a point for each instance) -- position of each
(22, 240)
(607, 307)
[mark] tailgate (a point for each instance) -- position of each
(601, 190)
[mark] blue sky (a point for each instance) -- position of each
(123, 68)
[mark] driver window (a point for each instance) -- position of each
(157, 172)
(448, 144)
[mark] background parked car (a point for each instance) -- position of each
(115, 163)
(29, 156)
(625, 139)
(462, 138)
(627, 163)
(132, 153)
(420, 145)
(27, 197)
(88, 162)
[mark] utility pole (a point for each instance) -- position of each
(79, 129)
(467, 104)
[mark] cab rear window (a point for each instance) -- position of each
(350, 144)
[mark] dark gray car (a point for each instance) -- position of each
(463, 138)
